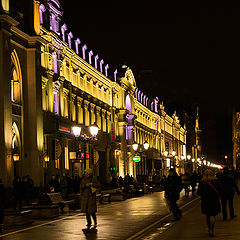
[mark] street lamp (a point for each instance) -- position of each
(76, 131)
(135, 146)
(94, 129)
(146, 145)
(188, 157)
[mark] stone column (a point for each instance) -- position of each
(99, 117)
(33, 119)
(79, 110)
(108, 122)
(6, 162)
(86, 113)
(104, 122)
(92, 110)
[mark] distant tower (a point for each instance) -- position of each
(197, 147)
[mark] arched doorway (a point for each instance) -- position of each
(16, 148)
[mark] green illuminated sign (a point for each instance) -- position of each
(137, 159)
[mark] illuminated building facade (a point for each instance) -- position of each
(235, 139)
(51, 82)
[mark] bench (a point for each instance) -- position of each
(45, 211)
(17, 218)
(56, 198)
(103, 197)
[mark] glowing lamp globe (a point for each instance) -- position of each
(146, 145)
(135, 146)
(76, 131)
(94, 129)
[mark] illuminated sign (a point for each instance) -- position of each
(64, 129)
(137, 159)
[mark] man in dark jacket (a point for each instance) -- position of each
(53, 185)
(2, 199)
(173, 187)
(228, 187)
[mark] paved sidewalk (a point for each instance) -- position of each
(118, 220)
(193, 225)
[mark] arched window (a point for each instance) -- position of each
(42, 10)
(16, 79)
(128, 104)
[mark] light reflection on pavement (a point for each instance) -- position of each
(117, 220)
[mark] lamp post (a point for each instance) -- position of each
(135, 147)
(93, 129)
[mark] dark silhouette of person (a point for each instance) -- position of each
(173, 187)
(17, 192)
(53, 185)
(228, 187)
(2, 204)
(209, 191)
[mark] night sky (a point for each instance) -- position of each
(187, 57)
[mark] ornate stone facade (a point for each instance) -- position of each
(59, 83)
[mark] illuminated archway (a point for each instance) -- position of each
(16, 79)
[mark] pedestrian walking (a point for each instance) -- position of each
(186, 183)
(88, 187)
(2, 203)
(26, 190)
(193, 180)
(17, 193)
(208, 189)
(31, 186)
(173, 187)
(228, 188)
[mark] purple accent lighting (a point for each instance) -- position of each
(90, 53)
(55, 62)
(70, 36)
(106, 70)
(115, 75)
(84, 48)
(77, 42)
(42, 9)
(144, 99)
(128, 104)
(56, 103)
(96, 61)
(101, 64)
(64, 29)
(139, 93)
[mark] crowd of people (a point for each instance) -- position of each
(216, 191)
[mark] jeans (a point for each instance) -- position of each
(228, 199)
(89, 221)
(175, 209)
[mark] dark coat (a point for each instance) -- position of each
(228, 185)
(89, 203)
(210, 198)
(173, 187)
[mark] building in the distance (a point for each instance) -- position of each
(51, 82)
(235, 139)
